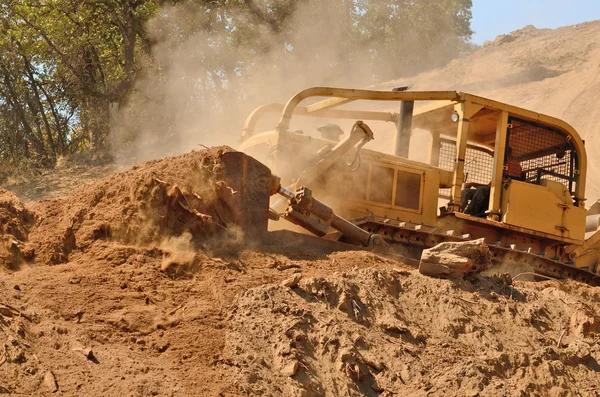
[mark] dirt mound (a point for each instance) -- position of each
(554, 72)
(111, 321)
(139, 301)
(147, 206)
(376, 332)
(15, 222)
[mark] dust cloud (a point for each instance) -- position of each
(198, 89)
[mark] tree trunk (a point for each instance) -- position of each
(34, 88)
(14, 100)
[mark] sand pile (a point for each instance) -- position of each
(380, 332)
(147, 206)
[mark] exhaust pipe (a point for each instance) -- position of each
(403, 127)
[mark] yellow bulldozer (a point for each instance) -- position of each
(336, 189)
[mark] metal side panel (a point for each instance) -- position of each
(536, 207)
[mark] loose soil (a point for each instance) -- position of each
(138, 284)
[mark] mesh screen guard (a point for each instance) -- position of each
(479, 162)
(543, 152)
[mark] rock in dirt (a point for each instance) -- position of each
(86, 351)
(50, 382)
(292, 281)
(391, 324)
(455, 259)
(290, 369)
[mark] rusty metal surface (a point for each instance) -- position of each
(251, 182)
(312, 214)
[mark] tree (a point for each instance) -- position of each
(216, 60)
(91, 49)
(69, 67)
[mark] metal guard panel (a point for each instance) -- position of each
(535, 207)
(407, 194)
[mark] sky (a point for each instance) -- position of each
(494, 17)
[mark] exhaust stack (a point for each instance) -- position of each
(404, 126)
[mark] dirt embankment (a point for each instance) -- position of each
(555, 72)
(388, 332)
(120, 288)
(147, 206)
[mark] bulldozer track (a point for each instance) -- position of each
(426, 237)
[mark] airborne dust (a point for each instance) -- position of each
(199, 90)
(161, 320)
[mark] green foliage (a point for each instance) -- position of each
(62, 63)
(68, 66)
(397, 36)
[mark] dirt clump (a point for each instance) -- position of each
(455, 259)
(148, 205)
(372, 332)
(15, 222)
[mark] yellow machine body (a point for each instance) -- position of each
(469, 136)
